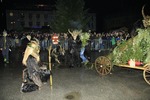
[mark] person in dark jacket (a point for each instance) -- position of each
(5, 43)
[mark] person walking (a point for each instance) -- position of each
(5, 43)
(84, 37)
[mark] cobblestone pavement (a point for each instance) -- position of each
(78, 83)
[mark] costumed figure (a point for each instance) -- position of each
(74, 48)
(5, 43)
(24, 41)
(31, 60)
(57, 55)
(57, 52)
(84, 37)
(55, 40)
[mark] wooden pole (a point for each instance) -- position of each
(49, 63)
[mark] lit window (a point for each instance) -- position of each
(13, 22)
(11, 14)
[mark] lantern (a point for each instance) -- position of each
(55, 39)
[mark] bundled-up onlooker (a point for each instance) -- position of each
(5, 43)
(113, 42)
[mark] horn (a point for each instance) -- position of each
(143, 12)
(69, 31)
(80, 31)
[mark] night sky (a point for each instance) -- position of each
(101, 8)
(115, 6)
(97, 6)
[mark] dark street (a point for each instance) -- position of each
(78, 83)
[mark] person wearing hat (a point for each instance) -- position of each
(31, 60)
(5, 43)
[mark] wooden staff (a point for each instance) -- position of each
(49, 63)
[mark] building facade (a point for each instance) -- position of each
(21, 19)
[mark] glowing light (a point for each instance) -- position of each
(41, 5)
(11, 14)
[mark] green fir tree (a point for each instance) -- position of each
(136, 48)
(69, 14)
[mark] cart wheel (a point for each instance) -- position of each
(103, 65)
(146, 73)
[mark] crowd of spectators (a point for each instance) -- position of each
(97, 42)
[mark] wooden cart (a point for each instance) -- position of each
(103, 66)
